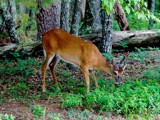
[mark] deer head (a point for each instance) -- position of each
(118, 68)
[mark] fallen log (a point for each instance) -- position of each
(130, 39)
(20, 51)
(121, 40)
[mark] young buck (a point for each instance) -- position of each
(59, 44)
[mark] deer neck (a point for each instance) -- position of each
(104, 66)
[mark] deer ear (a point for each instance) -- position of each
(122, 61)
(123, 65)
(110, 61)
(113, 62)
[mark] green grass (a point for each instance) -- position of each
(6, 117)
(138, 97)
(37, 111)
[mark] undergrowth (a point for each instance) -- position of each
(137, 98)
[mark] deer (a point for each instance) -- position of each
(60, 45)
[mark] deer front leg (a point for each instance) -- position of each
(86, 77)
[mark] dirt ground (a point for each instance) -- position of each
(23, 112)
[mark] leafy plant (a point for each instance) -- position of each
(20, 66)
(72, 100)
(140, 13)
(151, 74)
(37, 111)
(123, 44)
(15, 54)
(82, 114)
(55, 116)
(137, 98)
(6, 117)
(108, 5)
(20, 89)
(108, 56)
(134, 98)
(139, 56)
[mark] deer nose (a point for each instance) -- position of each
(119, 79)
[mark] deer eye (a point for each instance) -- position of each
(115, 73)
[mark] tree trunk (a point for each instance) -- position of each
(65, 15)
(159, 5)
(107, 24)
(2, 23)
(48, 19)
(121, 17)
(83, 9)
(95, 9)
(11, 28)
(28, 27)
(76, 17)
(10, 25)
(12, 9)
(152, 11)
(39, 4)
(149, 4)
(71, 12)
(22, 8)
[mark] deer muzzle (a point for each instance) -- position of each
(119, 79)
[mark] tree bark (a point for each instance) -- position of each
(22, 8)
(65, 24)
(121, 17)
(48, 19)
(83, 8)
(159, 5)
(76, 17)
(149, 4)
(95, 9)
(12, 9)
(9, 25)
(71, 12)
(152, 11)
(28, 27)
(107, 24)
(11, 28)
(2, 24)
(39, 5)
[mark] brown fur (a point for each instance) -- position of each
(86, 55)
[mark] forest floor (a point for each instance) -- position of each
(21, 97)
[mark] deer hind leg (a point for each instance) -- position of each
(86, 77)
(94, 78)
(52, 66)
(48, 59)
